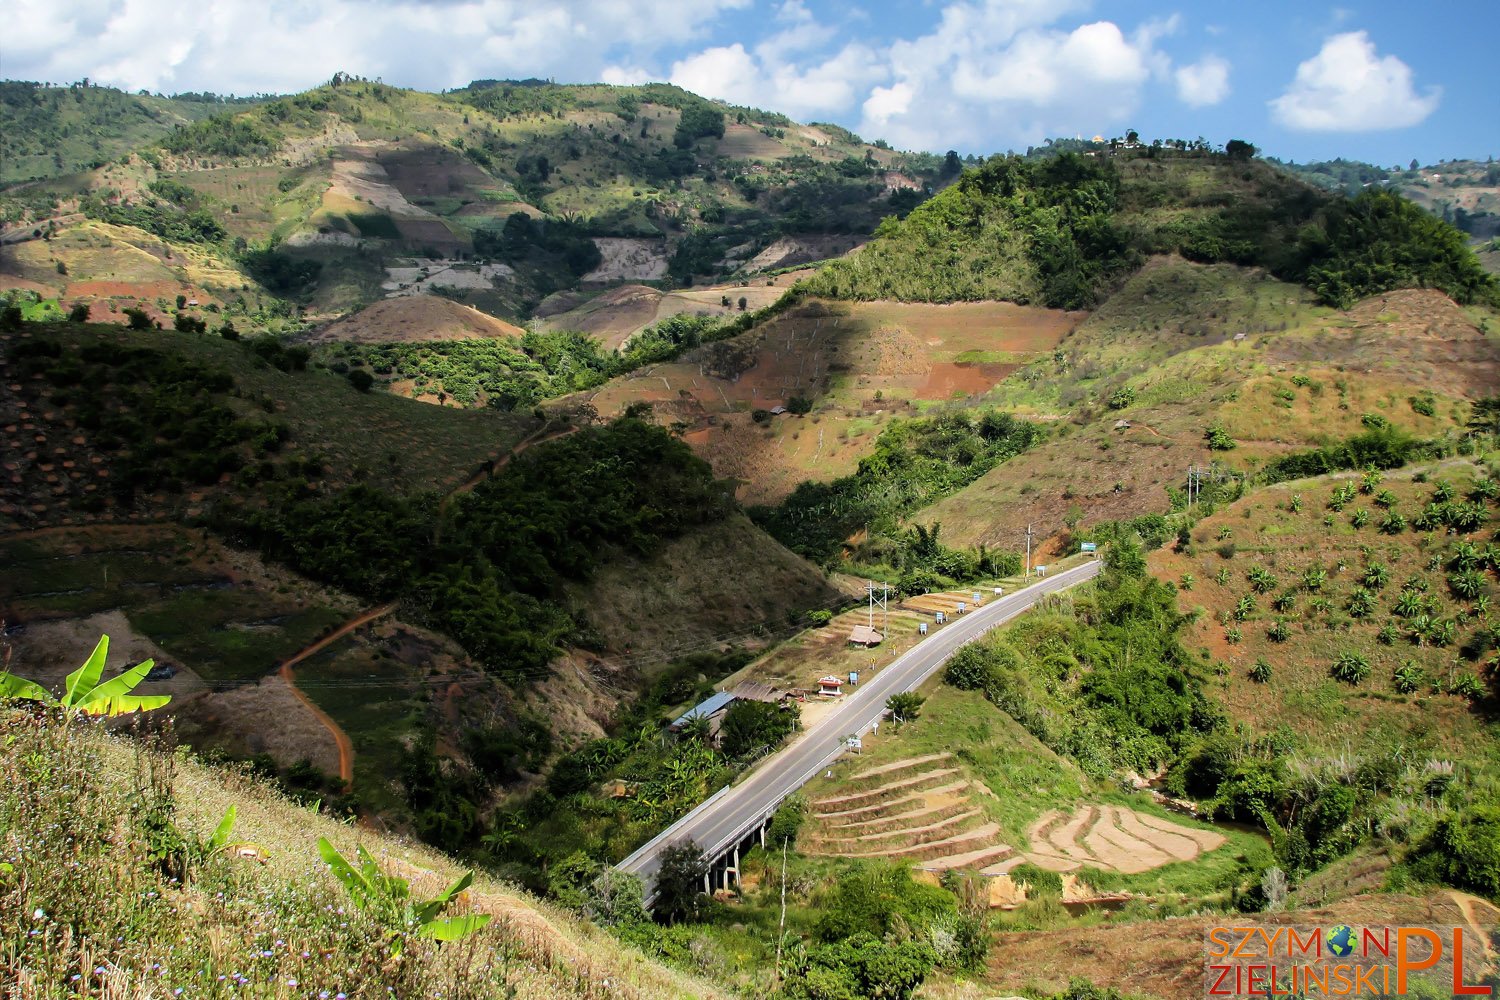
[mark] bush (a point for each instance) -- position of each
(1218, 439)
(1260, 671)
(1351, 668)
(1039, 881)
(1464, 850)
(361, 379)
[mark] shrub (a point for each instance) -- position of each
(1392, 524)
(907, 705)
(1425, 405)
(1408, 678)
(1351, 668)
(1466, 685)
(1278, 632)
(1261, 580)
(1464, 849)
(1121, 398)
(361, 379)
(1218, 439)
(1260, 671)
(1039, 881)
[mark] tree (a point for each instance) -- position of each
(952, 165)
(679, 883)
(1239, 149)
(905, 706)
(79, 313)
(138, 319)
(751, 725)
(1484, 418)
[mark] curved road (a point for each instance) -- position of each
(734, 812)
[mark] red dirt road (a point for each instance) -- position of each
(341, 738)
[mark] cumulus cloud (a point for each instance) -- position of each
(981, 72)
(1203, 83)
(1348, 87)
(246, 46)
(999, 68)
(765, 78)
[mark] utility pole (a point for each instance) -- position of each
(885, 599)
(1028, 550)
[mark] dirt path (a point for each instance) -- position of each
(539, 436)
(1465, 904)
(340, 738)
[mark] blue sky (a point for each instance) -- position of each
(1384, 82)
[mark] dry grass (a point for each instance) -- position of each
(82, 810)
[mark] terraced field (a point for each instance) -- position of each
(921, 809)
(1114, 838)
(926, 810)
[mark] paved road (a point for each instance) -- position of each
(734, 811)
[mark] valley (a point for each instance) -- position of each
(507, 479)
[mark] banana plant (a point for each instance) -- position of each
(82, 692)
(388, 898)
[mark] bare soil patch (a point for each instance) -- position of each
(416, 319)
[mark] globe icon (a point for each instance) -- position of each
(1340, 941)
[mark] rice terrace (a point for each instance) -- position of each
(753, 500)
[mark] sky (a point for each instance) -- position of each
(1383, 82)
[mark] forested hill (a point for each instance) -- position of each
(50, 131)
(1063, 231)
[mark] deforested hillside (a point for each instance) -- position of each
(230, 509)
(497, 195)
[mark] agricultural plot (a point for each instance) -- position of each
(409, 320)
(857, 366)
(1135, 391)
(1365, 608)
(963, 786)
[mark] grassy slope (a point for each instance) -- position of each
(1262, 530)
(79, 782)
(1168, 336)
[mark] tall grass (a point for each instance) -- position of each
(109, 889)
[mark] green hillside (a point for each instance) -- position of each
(1064, 231)
(50, 131)
(320, 193)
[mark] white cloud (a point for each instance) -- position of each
(1204, 82)
(1347, 87)
(998, 70)
(245, 46)
(764, 78)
